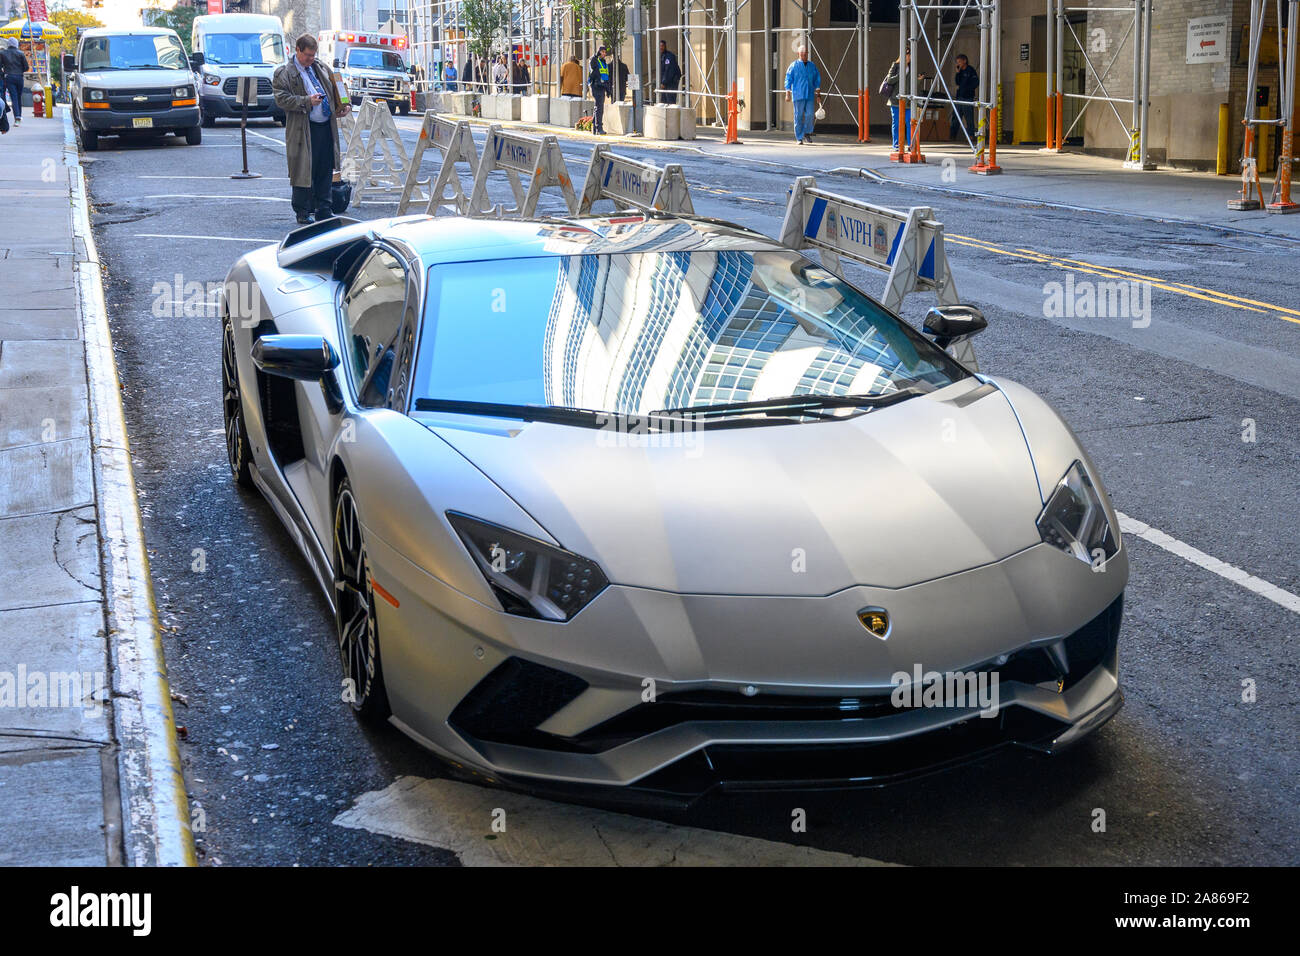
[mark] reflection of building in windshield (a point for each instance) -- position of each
(634, 333)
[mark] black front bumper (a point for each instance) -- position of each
(114, 121)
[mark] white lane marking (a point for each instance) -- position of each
(167, 235)
(459, 817)
(1224, 570)
(217, 196)
(269, 139)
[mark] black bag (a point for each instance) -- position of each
(340, 197)
(4, 117)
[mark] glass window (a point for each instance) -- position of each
(635, 333)
(372, 309)
(133, 52)
(367, 58)
(244, 48)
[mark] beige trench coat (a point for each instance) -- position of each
(291, 96)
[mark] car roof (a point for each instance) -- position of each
(126, 31)
(462, 239)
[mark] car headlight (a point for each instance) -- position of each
(97, 95)
(183, 92)
(529, 577)
(1074, 519)
(211, 80)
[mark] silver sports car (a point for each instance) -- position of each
(652, 505)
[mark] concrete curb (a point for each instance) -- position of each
(156, 820)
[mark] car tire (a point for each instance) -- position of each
(89, 141)
(209, 122)
(279, 121)
(239, 454)
(406, 109)
(194, 136)
(355, 620)
(392, 107)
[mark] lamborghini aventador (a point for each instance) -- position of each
(656, 504)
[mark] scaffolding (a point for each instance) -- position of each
(707, 36)
(1287, 24)
(1061, 21)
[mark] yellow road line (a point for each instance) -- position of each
(1181, 288)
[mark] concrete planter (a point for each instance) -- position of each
(506, 106)
(662, 122)
(459, 104)
(567, 110)
(618, 118)
(535, 109)
(685, 121)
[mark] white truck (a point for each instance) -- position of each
(372, 65)
(226, 46)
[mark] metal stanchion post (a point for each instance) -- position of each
(246, 89)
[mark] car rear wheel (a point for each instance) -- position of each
(194, 136)
(354, 613)
(238, 452)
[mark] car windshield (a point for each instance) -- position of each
(370, 59)
(133, 52)
(257, 49)
(633, 334)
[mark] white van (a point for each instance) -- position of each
(372, 65)
(226, 46)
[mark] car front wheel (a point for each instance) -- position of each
(354, 613)
(238, 452)
(194, 136)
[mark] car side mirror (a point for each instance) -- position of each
(197, 60)
(69, 63)
(947, 323)
(305, 358)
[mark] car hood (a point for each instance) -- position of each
(134, 79)
(934, 485)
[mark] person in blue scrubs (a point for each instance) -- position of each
(802, 82)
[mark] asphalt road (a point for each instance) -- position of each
(1188, 773)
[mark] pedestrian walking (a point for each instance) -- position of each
(307, 92)
(13, 65)
(571, 78)
(670, 74)
(520, 79)
(599, 81)
(966, 85)
(889, 87)
(802, 85)
(500, 74)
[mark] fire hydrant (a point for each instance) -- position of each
(38, 101)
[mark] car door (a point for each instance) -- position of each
(373, 311)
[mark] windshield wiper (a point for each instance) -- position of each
(795, 404)
(556, 414)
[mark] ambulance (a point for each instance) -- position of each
(372, 65)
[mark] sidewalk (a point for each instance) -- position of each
(1070, 180)
(89, 770)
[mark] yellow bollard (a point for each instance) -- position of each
(1221, 160)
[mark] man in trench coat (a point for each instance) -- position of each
(311, 131)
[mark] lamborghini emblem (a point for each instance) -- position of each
(875, 620)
